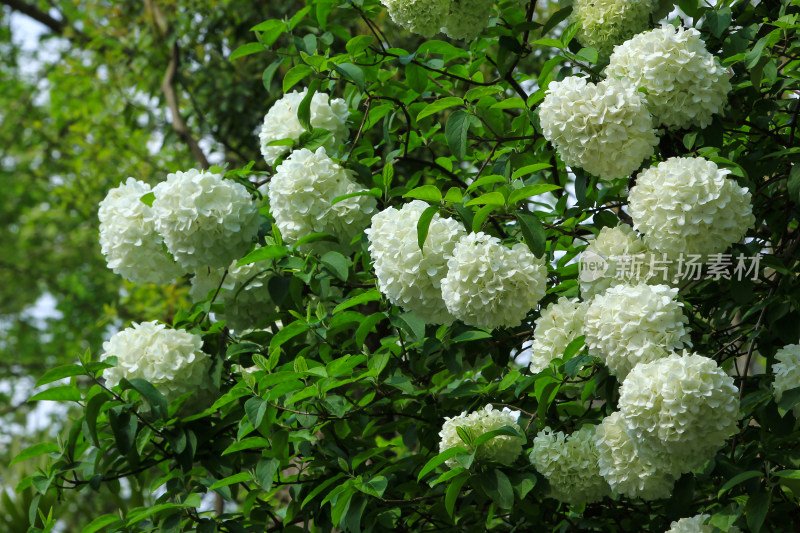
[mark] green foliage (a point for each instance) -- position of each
(328, 416)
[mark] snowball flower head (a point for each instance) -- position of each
(683, 405)
(617, 255)
(787, 373)
(489, 285)
(587, 123)
(624, 469)
(631, 324)
(605, 23)
(301, 194)
(685, 84)
(570, 465)
(687, 205)
(424, 17)
(128, 237)
(407, 276)
(243, 292)
(466, 19)
(502, 448)
(559, 324)
(281, 122)
(696, 524)
(170, 359)
(205, 220)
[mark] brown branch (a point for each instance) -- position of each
(168, 88)
(37, 14)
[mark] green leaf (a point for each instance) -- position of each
(241, 477)
(447, 50)
(287, 333)
(410, 323)
(295, 74)
(453, 490)
(423, 224)
(789, 399)
(352, 73)
(358, 44)
(265, 472)
(100, 522)
(373, 487)
(270, 31)
(498, 487)
(153, 396)
(555, 43)
(255, 408)
(529, 190)
(587, 55)
(320, 487)
(739, 478)
(510, 103)
(482, 215)
(337, 264)
(34, 451)
(63, 393)
(472, 335)
(476, 93)
(371, 295)
(269, 73)
(532, 232)
(429, 193)
(756, 510)
(311, 140)
(529, 169)
(271, 251)
(456, 129)
(438, 459)
(374, 192)
(147, 199)
(439, 105)
(304, 109)
(490, 198)
(416, 77)
(92, 410)
(60, 372)
(489, 435)
(465, 434)
(794, 184)
(246, 50)
(248, 443)
(718, 20)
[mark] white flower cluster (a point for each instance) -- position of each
(605, 23)
(408, 276)
(787, 373)
(559, 324)
(570, 465)
(281, 122)
(301, 194)
(459, 19)
(501, 448)
(631, 324)
(696, 524)
(424, 17)
(171, 360)
(128, 236)
(587, 123)
(489, 285)
(205, 220)
(243, 292)
(685, 84)
(466, 19)
(688, 205)
(683, 406)
(624, 469)
(602, 258)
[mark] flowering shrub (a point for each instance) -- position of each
(501, 448)
(128, 238)
(281, 123)
(689, 206)
(466, 179)
(606, 23)
(203, 219)
(171, 360)
(632, 324)
(685, 84)
(787, 373)
(490, 285)
(587, 122)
